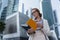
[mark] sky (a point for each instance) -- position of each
(29, 4)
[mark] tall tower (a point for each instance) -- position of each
(10, 7)
(3, 11)
(0, 4)
(0, 7)
(47, 11)
(23, 8)
(15, 5)
(3, 15)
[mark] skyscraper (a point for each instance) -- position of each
(3, 15)
(13, 22)
(56, 10)
(47, 11)
(10, 7)
(0, 4)
(3, 10)
(23, 8)
(0, 7)
(27, 12)
(15, 5)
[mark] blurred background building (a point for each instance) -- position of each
(56, 15)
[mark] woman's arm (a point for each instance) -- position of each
(38, 25)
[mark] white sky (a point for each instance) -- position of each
(29, 4)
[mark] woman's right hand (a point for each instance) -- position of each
(30, 30)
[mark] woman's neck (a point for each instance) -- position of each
(38, 18)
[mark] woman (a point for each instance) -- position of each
(39, 33)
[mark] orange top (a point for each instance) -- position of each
(32, 24)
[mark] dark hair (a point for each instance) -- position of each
(37, 10)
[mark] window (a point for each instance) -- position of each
(11, 25)
(0, 5)
(15, 6)
(3, 15)
(54, 14)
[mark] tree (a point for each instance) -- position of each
(2, 26)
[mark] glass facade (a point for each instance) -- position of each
(11, 25)
(47, 12)
(55, 16)
(47, 0)
(15, 5)
(23, 8)
(27, 12)
(50, 15)
(3, 7)
(3, 14)
(0, 7)
(12, 6)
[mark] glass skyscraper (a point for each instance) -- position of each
(15, 5)
(50, 15)
(3, 10)
(47, 11)
(3, 14)
(12, 6)
(0, 4)
(0, 7)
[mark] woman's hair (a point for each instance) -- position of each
(37, 10)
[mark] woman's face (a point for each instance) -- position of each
(35, 13)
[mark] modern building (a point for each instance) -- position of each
(29, 12)
(3, 9)
(0, 6)
(23, 8)
(13, 30)
(8, 7)
(56, 11)
(47, 11)
(51, 12)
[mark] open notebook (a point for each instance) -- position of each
(32, 24)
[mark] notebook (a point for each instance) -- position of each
(32, 24)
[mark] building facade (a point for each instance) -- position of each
(0, 6)
(56, 11)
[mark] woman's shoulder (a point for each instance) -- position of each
(45, 20)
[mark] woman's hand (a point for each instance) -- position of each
(30, 30)
(39, 25)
